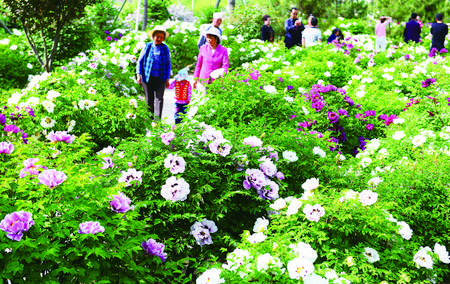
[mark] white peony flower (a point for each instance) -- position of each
(290, 156)
(266, 261)
(423, 258)
(293, 207)
(310, 184)
(442, 253)
(327, 74)
(398, 135)
(210, 276)
(304, 251)
(371, 255)
(299, 268)
(49, 106)
(279, 204)
(270, 89)
(418, 140)
(261, 225)
(47, 122)
(256, 238)
(404, 230)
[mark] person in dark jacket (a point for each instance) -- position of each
(412, 30)
(267, 33)
(153, 70)
(439, 31)
(335, 35)
(294, 28)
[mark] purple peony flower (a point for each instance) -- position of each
(131, 176)
(11, 128)
(52, 178)
(221, 147)
(2, 119)
(255, 75)
(317, 133)
(6, 147)
(202, 231)
(269, 191)
(432, 52)
(370, 113)
(24, 137)
(152, 247)
(108, 38)
(254, 178)
(175, 189)
(107, 32)
(333, 117)
(290, 88)
(120, 203)
(343, 112)
(280, 176)
(280, 79)
(382, 117)
(443, 50)
(167, 137)
(30, 168)
(318, 105)
(349, 101)
(16, 223)
(90, 227)
(268, 168)
(425, 83)
(334, 143)
(107, 163)
(61, 136)
(407, 57)
(369, 127)
(176, 164)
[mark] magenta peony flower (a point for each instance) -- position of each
(6, 147)
(61, 136)
(167, 137)
(52, 178)
(30, 168)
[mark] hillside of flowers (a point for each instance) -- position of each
(320, 165)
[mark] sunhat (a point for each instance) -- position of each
(158, 28)
(214, 31)
(183, 75)
(217, 15)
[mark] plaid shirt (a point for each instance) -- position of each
(147, 65)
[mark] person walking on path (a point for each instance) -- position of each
(312, 35)
(380, 32)
(216, 22)
(294, 28)
(183, 93)
(267, 33)
(412, 30)
(153, 70)
(212, 56)
(439, 30)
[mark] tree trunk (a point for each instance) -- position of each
(56, 39)
(145, 15)
(217, 4)
(231, 5)
(32, 45)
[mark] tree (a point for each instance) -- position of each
(44, 20)
(145, 15)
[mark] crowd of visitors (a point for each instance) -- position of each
(154, 66)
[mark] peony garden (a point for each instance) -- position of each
(326, 164)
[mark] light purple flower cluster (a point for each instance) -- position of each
(253, 141)
(107, 151)
(305, 124)
(176, 164)
(6, 148)
(313, 213)
(175, 189)
(428, 82)
(107, 163)
(152, 247)
(166, 138)
(90, 227)
(130, 177)
(16, 223)
(61, 136)
(202, 231)
(268, 168)
(52, 178)
(120, 203)
(269, 190)
(254, 178)
(30, 168)
(221, 147)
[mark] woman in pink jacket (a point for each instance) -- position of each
(212, 56)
